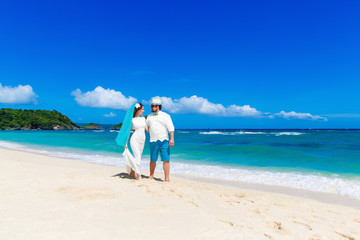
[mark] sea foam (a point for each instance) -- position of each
(229, 133)
(313, 182)
(251, 133)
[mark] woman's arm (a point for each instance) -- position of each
(128, 137)
(146, 125)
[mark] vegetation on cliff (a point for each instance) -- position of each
(117, 126)
(91, 126)
(18, 119)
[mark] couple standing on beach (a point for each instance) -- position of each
(159, 125)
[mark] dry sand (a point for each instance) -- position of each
(43, 197)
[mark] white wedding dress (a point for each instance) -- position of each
(137, 142)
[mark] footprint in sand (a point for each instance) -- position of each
(303, 224)
(357, 220)
(257, 211)
(224, 196)
(315, 219)
(234, 199)
(267, 235)
(279, 204)
(192, 202)
(227, 222)
(345, 236)
(240, 195)
(145, 187)
(277, 225)
(178, 194)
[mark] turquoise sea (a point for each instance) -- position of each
(317, 160)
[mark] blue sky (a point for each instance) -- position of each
(282, 58)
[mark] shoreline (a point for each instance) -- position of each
(324, 197)
(203, 129)
(329, 198)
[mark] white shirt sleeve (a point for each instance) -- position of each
(147, 121)
(169, 124)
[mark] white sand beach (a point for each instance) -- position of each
(44, 197)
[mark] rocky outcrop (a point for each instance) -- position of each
(92, 126)
(117, 126)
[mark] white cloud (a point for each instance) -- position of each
(295, 115)
(108, 98)
(111, 114)
(342, 115)
(103, 98)
(201, 105)
(17, 95)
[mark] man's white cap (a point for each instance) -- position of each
(156, 101)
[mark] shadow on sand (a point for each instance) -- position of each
(125, 175)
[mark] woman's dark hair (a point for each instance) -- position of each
(137, 109)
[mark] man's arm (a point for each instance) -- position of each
(171, 129)
(172, 140)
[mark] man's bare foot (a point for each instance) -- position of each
(151, 177)
(138, 177)
(167, 180)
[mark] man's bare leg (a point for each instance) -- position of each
(166, 166)
(152, 169)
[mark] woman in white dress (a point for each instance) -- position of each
(137, 141)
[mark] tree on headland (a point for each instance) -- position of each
(91, 126)
(117, 126)
(18, 119)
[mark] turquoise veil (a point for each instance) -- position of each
(124, 132)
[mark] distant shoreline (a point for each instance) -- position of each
(207, 129)
(282, 129)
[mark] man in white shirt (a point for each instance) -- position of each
(160, 125)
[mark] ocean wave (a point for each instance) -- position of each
(229, 133)
(251, 133)
(288, 133)
(11, 145)
(312, 182)
(95, 158)
(183, 131)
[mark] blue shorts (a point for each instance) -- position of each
(162, 147)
